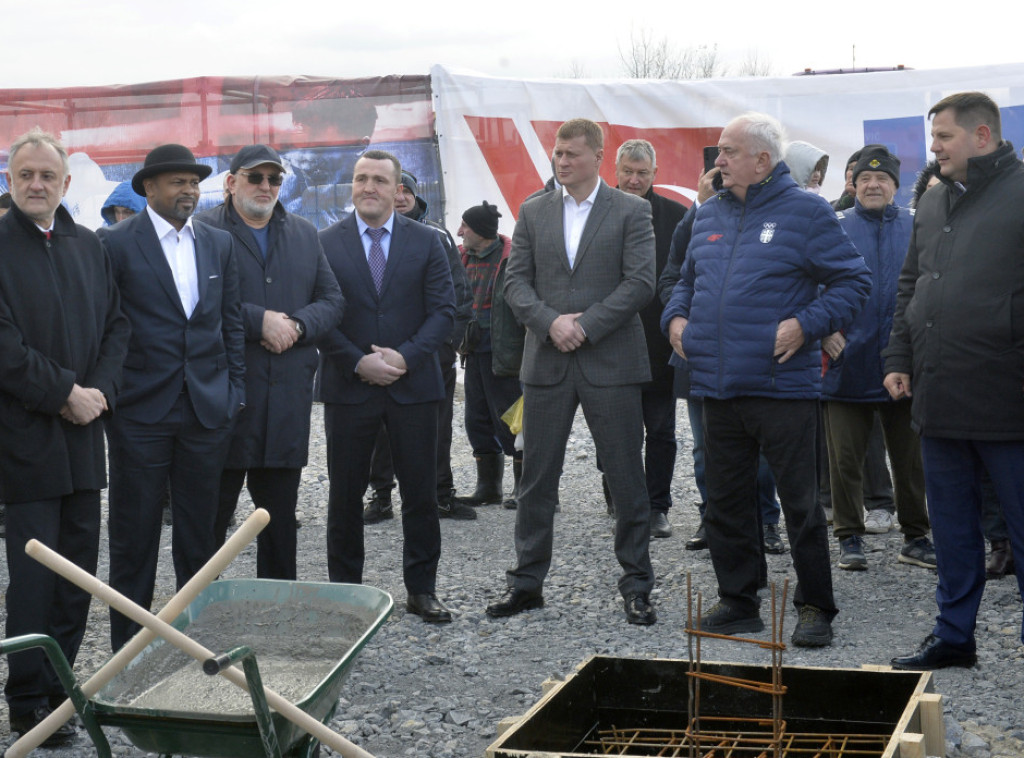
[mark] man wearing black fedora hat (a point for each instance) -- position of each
(184, 377)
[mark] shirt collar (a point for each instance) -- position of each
(389, 225)
(566, 197)
(163, 226)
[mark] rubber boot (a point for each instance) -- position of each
(490, 470)
(517, 474)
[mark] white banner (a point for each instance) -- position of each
(495, 135)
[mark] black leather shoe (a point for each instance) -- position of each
(935, 654)
(639, 609)
(698, 541)
(1000, 560)
(773, 540)
(428, 608)
(659, 524)
(25, 722)
(515, 601)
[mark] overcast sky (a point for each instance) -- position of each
(71, 42)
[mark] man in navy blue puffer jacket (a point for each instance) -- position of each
(852, 388)
(748, 317)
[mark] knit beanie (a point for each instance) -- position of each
(483, 219)
(878, 158)
(409, 181)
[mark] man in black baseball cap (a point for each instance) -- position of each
(290, 300)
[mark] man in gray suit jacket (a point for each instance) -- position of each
(582, 266)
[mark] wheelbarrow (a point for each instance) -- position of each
(305, 634)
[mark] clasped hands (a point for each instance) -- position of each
(382, 367)
(84, 405)
(566, 333)
(279, 332)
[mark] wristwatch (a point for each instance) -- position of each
(299, 327)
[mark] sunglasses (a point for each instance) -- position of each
(257, 177)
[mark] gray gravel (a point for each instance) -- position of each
(440, 691)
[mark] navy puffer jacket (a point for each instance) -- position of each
(882, 237)
(752, 265)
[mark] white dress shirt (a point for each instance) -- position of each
(574, 219)
(385, 240)
(180, 251)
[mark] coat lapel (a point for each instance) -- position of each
(398, 231)
(354, 245)
(553, 220)
(152, 252)
(594, 220)
(205, 267)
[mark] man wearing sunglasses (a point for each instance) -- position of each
(289, 299)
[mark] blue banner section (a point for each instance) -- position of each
(1013, 125)
(906, 139)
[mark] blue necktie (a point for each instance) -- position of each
(376, 258)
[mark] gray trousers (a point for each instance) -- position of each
(615, 418)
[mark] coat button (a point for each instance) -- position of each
(936, 274)
(269, 280)
(929, 324)
(947, 228)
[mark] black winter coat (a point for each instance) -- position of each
(60, 324)
(273, 430)
(959, 323)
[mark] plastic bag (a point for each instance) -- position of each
(513, 417)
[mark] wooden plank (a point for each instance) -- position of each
(932, 724)
(912, 746)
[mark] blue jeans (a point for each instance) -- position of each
(953, 472)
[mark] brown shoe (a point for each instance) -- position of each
(1000, 560)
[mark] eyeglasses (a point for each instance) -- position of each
(257, 177)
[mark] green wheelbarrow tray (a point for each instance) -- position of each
(260, 614)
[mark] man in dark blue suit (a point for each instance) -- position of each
(381, 365)
(184, 377)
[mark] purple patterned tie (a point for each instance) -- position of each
(376, 258)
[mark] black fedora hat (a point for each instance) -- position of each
(164, 159)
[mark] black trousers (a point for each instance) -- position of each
(142, 457)
(41, 602)
(351, 433)
(382, 468)
(785, 431)
(487, 398)
(276, 490)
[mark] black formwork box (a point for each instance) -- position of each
(609, 692)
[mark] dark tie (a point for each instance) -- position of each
(376, 259)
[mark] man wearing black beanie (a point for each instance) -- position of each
(488, 395)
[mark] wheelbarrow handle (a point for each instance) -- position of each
(235, 544)
(140, 615)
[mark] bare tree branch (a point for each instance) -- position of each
(755, 63)
(650, 58)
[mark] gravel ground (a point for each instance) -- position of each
(440, 691)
